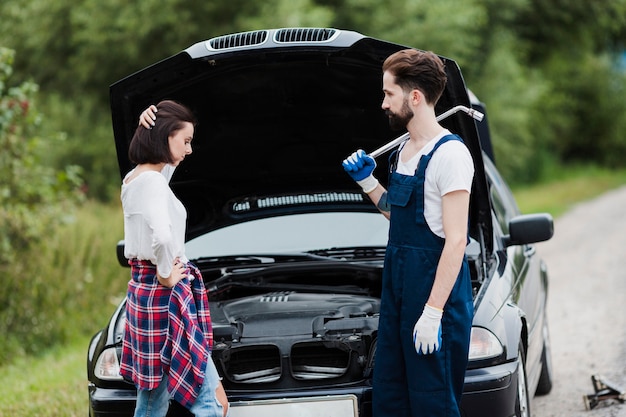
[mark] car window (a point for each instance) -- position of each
(293, 233)
(502, 200)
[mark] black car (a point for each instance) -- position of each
(292, 251)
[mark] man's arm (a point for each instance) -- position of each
(427, 330)
(455, 207)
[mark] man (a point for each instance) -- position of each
(426, 302)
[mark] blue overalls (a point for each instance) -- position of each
(405, 383)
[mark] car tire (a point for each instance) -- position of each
(522, 402)
(545, 379)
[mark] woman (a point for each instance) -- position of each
(167, 339)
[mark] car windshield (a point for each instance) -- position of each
(293, 233)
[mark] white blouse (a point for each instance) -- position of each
(154, 221)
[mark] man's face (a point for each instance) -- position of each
(395, 104)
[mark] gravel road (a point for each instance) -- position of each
(587, 306)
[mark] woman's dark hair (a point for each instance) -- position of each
(151, 146)
(418, 70)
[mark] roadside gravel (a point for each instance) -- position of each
(586, 261)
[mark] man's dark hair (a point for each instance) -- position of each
(418, 70)
(151, 146)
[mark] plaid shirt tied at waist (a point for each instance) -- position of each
(167, 330)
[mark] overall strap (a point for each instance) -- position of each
(395, 154)
(425, 159)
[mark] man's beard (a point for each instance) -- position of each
(400, 120)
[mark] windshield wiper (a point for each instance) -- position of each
(257, 259)
(331, 254)
(260, 275)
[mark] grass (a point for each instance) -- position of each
(570, 186)
(54, 383)
(51, 385)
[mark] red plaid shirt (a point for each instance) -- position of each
(167, 330)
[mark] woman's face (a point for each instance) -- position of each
(180, 143)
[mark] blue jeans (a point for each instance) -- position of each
(155, 403)
(207, 405)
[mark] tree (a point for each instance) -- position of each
(519, 56)
(33, 197)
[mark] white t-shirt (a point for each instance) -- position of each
(450, 169)
(154, 221)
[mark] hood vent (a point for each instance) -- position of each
(277, 297)
(251, 204)
(238, 40)
(304, 35)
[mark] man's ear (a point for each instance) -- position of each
(416, 96)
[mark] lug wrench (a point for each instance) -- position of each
(397, 141)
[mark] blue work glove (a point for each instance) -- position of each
(360, 166)
(427, 331)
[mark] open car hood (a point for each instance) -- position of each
(278, 111)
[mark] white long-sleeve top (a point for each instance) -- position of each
(154, 221)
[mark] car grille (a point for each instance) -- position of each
(312, 361)
(237, 40)
(262, 364)
(304, 35)
(254, 365)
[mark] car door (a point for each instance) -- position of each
(528, 291)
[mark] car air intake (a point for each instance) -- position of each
(240, 39)
(314, 361)
(253, 365)
(303, 35)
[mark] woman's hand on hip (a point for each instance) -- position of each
(178, 273)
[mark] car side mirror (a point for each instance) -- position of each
(120, 254)
(529, 228)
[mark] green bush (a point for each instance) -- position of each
(65, 286)
(42, 262)
(582, 114)
(33, 197)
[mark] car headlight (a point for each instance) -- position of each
(484, 345)
(108, 366)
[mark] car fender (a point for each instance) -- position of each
(514, 331)
(505, 320)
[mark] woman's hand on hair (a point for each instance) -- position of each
(148, 116)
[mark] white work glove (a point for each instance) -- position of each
(427, 331)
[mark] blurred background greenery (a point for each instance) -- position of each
(552, 75)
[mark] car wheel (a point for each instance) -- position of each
(545, 379)
(522, 403)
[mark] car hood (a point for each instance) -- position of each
(278, 111)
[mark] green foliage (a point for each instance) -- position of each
(512, 92)
(571, 26)
(587, 108)
(418, 23)
(64, 287)
(535, 64)
(33, 197)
